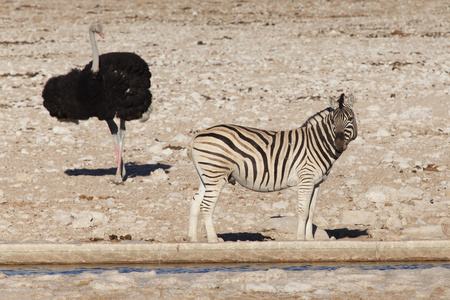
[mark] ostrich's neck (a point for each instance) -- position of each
(95, 59)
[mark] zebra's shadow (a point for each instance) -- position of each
(133, 170)
(346, 233)
(258, 237)
(244, 236)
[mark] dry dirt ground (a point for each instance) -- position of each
(265, 64)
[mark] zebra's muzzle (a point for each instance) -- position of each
(340, 142)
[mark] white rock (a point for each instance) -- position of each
(52, 277)
(254, 287)
(402, 162)
(424, 232)
(408, 193)
(381, 194)
(376, 195)
(156, 159)
(373, 108)
(358, 217)
(388, 157)
(167, 152)
(121, 278)
(281, 224)
(86, 158)
(68, 140)
(382, 133)
(416, 112)
(181, 138)
(106, 286)
(81, 220)
(5, 224)
(352, 181)
(175, 196)
(86, 219)
(280, 205)
(61, 130)
(196, 96)
(406, 134)
(296, 287)
(257, 276)
(393, 222)
(404, 165)
(63, 217)
(321, 235)
(99, 219)
(156, 148)
(42, 139)
(159, 175)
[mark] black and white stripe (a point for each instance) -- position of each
(266, 161)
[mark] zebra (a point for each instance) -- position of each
(266, 161)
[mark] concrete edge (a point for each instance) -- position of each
(229, 252)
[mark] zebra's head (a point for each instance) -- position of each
(344, 121)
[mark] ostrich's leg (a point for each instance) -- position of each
(118, 136)
(121, 138)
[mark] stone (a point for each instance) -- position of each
(296, 287)
(159, 175)
(259, 287)
(321, 235)
(381, 194)
(424, 232)
(280, 224)
(358, 217)
(61, 130)
(86, 219)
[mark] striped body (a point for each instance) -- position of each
(264, 161)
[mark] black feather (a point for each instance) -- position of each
(120, 88)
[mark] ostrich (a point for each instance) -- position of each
(113, 85)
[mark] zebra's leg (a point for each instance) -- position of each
(194, 212)
(312, 207)
(208, 205)
(305, 194)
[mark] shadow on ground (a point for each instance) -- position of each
(133, 170)
(340, 233)
(346, 233)
(244, 236)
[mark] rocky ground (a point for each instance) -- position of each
(265, 64)
(273, 283)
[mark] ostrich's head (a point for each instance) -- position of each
(344, 121)
(97, 28)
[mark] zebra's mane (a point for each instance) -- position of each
(314, 119)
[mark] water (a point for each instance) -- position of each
(206, 268)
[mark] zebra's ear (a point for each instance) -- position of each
(351, 100)
(333, 102)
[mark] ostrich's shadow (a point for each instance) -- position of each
(133, 170)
